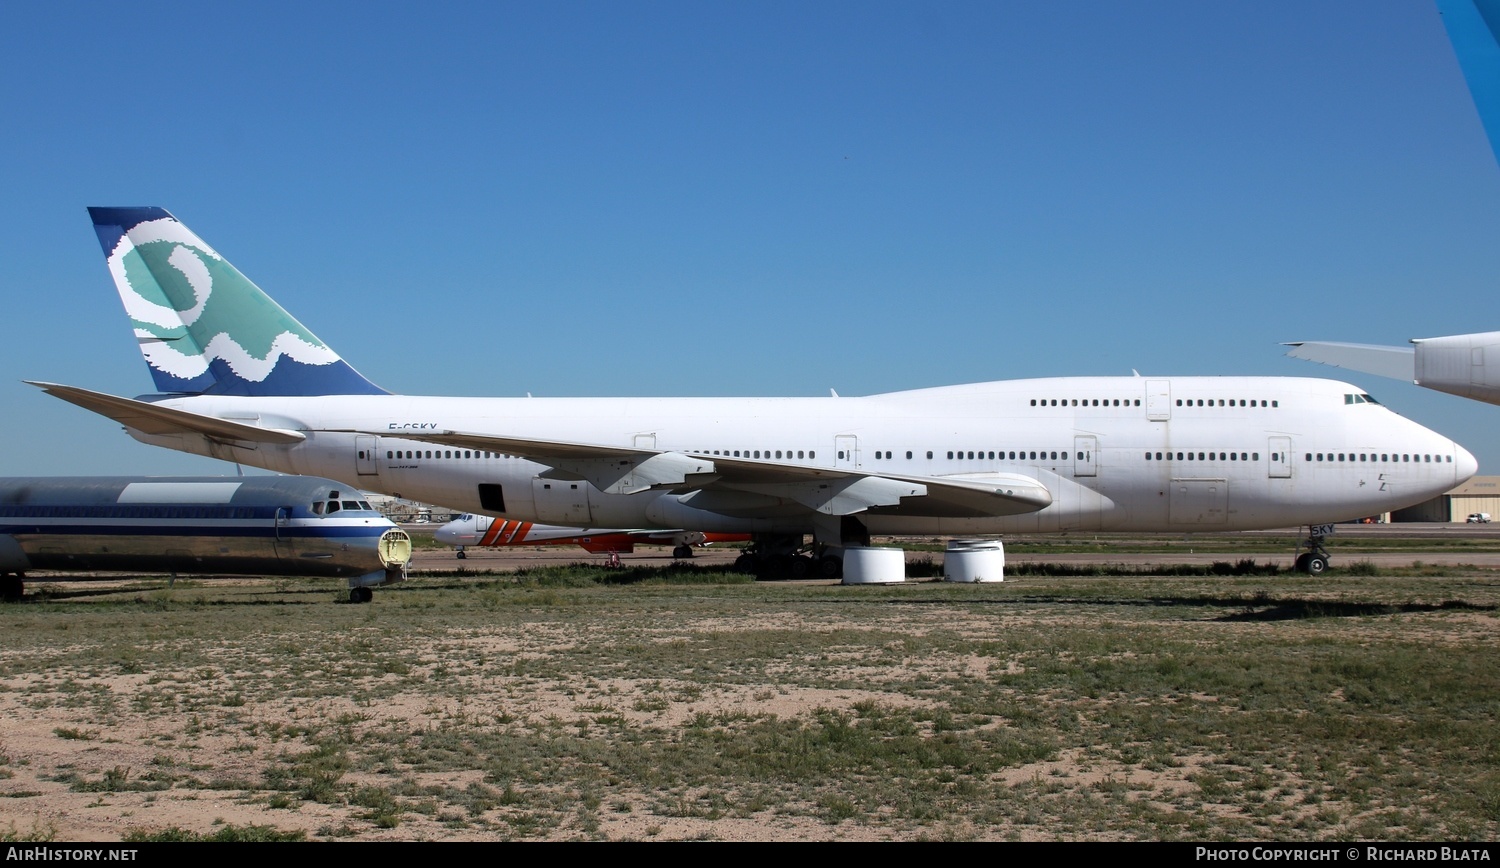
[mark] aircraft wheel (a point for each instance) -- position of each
(462, 555)
(776, 568)
(746, 564)
(682, 553)
(830, 567)
(361, 595)
(11, 588)
(1301, 563)
(800, 568)
(1316, 565)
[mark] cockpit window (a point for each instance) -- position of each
(333, 506)
(351, 504)
(317, 508)
(466, 517)
(1360, 398)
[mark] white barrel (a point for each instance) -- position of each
(974, 560)
(867, 565)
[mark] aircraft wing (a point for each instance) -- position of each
(1395, 362)
(150, 418)
(753, 487)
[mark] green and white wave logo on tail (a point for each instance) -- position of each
(203, 327)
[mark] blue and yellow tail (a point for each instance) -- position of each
(203, 327)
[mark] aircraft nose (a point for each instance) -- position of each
(1465, 465)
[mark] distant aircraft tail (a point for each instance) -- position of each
(203, 327)
(1474, 29)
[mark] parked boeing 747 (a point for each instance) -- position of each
(248, 525)
(240, 379)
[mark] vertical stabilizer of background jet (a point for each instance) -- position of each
(203, 327)
(1474, 29)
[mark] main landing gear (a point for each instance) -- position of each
(1313, 561)
(12, 586)
(772, 556)
(783, 556)
(361, 595)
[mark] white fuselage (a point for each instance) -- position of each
(1117, 453)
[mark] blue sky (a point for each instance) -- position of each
(750, 198)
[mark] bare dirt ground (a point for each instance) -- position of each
(101, 738)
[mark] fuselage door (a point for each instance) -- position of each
(1085, 452)
(364, 455)
(1158, 400)
(286, 546)
(846, 451)
(1279, 458)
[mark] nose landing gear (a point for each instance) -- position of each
(1314, 561)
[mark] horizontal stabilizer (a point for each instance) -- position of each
(153, 419)
(1394, 362)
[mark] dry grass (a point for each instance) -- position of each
(552, 707)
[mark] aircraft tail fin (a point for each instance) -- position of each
(1474, 29)
(203, 327)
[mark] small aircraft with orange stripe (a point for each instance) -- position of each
(483, 531)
